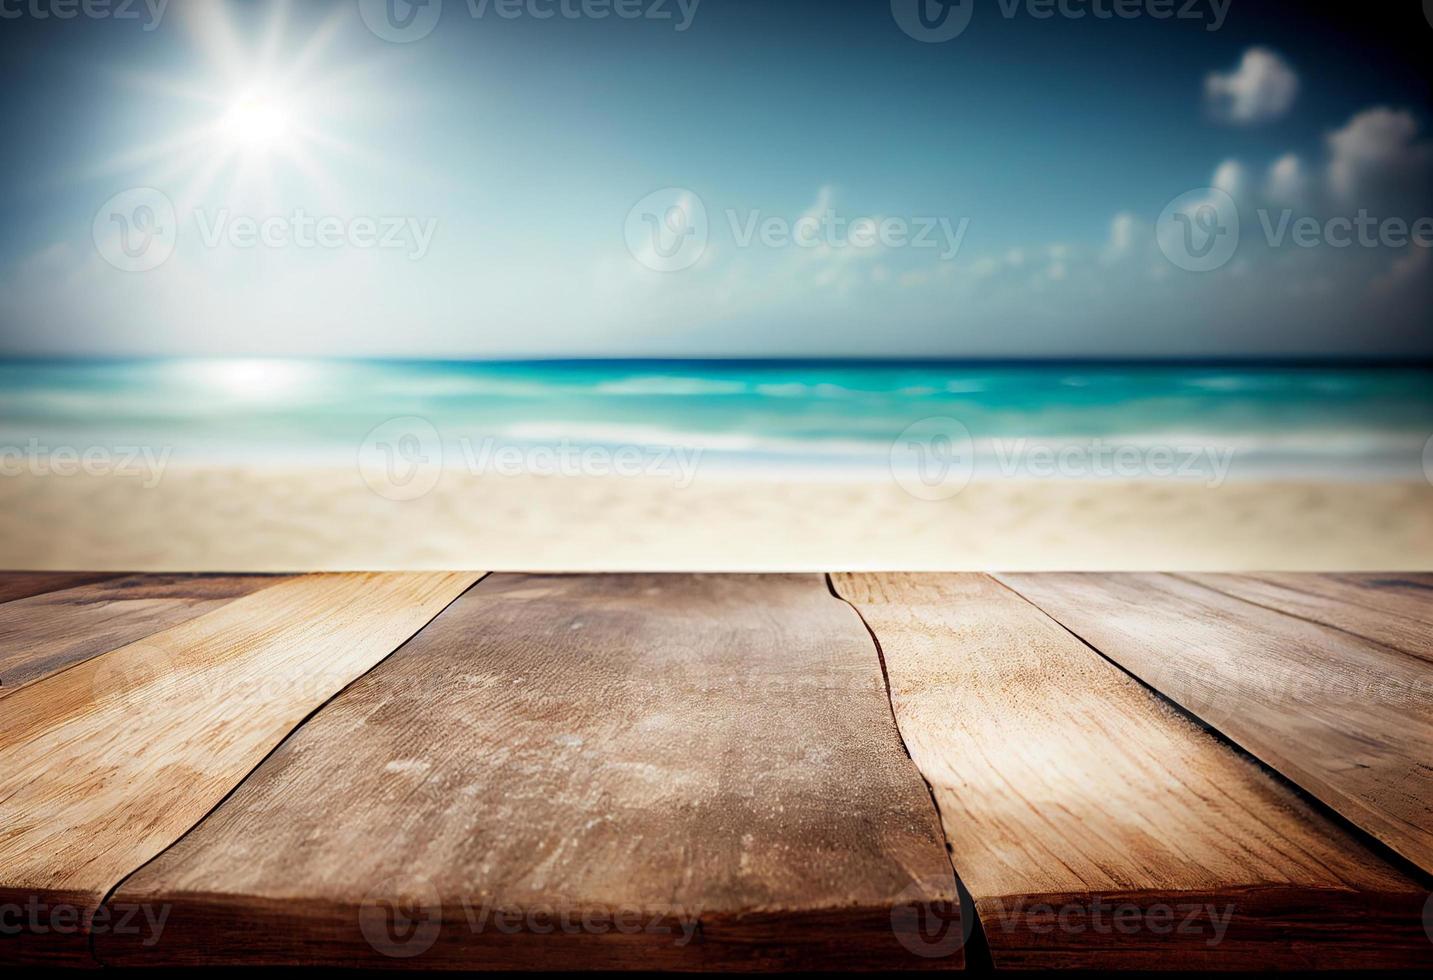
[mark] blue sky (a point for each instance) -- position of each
(479, 182)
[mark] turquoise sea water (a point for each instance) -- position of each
(801, 417)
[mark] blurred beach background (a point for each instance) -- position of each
(728, 284)
(286, 464)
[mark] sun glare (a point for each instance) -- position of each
(255, 122)
(268, 107)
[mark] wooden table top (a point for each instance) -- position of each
(717, 772)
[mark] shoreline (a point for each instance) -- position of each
(224, 518)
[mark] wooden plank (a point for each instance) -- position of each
(44, 634)
(1392, 609)
(1348, 720)
(22, 585)
(104, 765)
(1094, 826)
(705, 767)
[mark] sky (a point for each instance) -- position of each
(693, 178)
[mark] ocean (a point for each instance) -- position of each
(783, 418)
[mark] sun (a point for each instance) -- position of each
(255, 122)
(263, 113)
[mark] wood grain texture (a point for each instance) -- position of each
(22, 585)
(1095, 826)
(44, 634)
(1393, 609)
(704, 769)
(1348, 720)
(104, 765)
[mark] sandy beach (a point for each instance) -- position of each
(257, 519)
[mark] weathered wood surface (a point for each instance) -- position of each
(703, 769)
(1096, 827)
(1348, 720)
(43, 634)
(1393, 609)
(22, 585)
(104, 765)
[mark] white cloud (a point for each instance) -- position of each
(1230, 178)
(1286, 183)
(1260, 89)
(1122, 234)
(1375, 155)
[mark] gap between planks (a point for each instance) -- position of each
(104, 765)
(1347, 719)
(716, 749)
(1065, 785)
